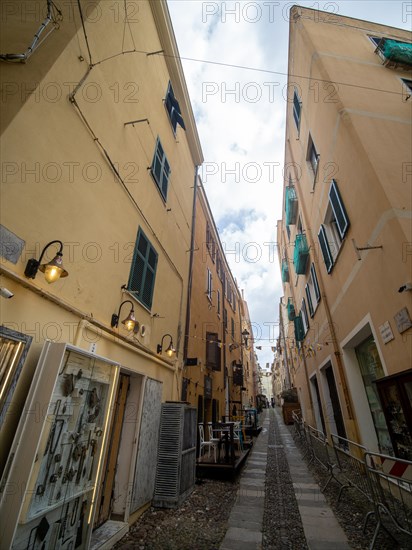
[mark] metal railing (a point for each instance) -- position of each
(390, 481)
(384, 482)
(351, 464)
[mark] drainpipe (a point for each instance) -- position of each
(190, 280)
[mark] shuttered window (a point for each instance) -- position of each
(334, 228)
(304, 315)
(309, 299)
(312, 291)
(173, 108)
(297, 107)
(315, 281)
(324, 246)
(213, 352)
(341, 218)
(143, 271)
(160, 169)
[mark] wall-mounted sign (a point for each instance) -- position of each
(403, 320)
(386, 332)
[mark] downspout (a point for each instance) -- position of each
(225, 370)
(241, 353)
(190, 279)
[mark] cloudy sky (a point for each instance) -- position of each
(235, 61)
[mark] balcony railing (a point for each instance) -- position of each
(301, 254)
(285, 271)
(291, 200)
(291, 310)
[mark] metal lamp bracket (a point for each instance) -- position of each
(358, 249)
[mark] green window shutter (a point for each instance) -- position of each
(315, 282)
(173, 108)
(160, 169)
(143, 271)
(324, 246)
(309, 299)
(297, 106)
(299, 331)
(291, 309)
(342, 220)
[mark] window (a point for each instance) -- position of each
(304, 317)
(408, 83)
(334, 228)
(225, 318)
(408, 88)
(232, 327)
(312, 291)
(218, 302)
(297, 108)
(312, 157)
(375, 40)
(160, 169)
(209, 284)
(173, 108)
(288, 232)
(143, 271)
(213, 354)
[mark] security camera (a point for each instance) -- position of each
(6, 293)
(406, 286)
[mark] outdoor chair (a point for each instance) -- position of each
(209, 445)
(237, 435)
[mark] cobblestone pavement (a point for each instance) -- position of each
(202, 521)
(282, 524)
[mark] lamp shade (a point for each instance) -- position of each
(54, 269)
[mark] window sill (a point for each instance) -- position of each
(133, 297)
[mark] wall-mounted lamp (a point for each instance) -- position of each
(52, 270)
(129, 322)
(245, 335)
(170, 350)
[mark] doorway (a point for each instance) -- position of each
(106, 492)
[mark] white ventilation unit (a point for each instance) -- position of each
(176, 462)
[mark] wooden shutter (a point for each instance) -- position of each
(341, 217)
(143, 271)
(309, 298)
(315, 282)
(327, 256)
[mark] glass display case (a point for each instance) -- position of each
(396, 397)
(371, 370)
(52, 477)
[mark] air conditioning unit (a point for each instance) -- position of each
(176, 461)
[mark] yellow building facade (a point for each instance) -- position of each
(218, 371)
(344, 239)
(99, 153)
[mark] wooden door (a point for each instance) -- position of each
(106, 492)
